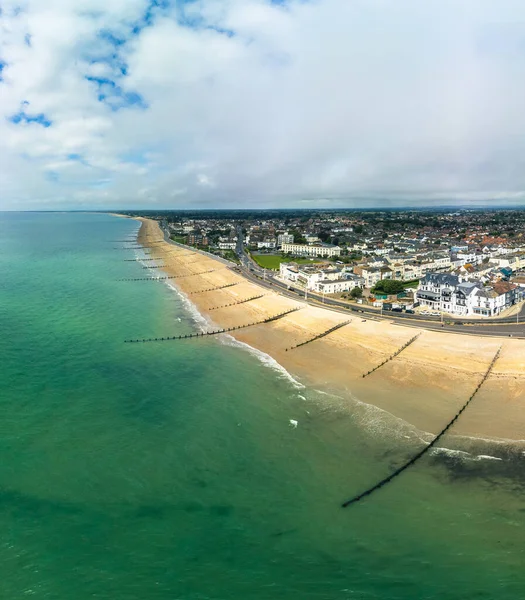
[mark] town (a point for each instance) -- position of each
(461, 263)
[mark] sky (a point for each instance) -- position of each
(108, 104)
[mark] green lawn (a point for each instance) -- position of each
(272, 261)
(180, 239)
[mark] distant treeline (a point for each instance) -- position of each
(417, 216)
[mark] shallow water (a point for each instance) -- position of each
(171, 470)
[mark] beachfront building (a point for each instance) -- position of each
(337, 286)
(451, 294)
(197, 238)
(311, 250)
(328, 280)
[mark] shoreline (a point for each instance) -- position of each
(423, 386)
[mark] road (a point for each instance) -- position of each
(507, 327)
(495, 327)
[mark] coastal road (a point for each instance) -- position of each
(509, 326)
(506, 327)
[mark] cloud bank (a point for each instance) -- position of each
(144, 103)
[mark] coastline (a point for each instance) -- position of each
(450, 365)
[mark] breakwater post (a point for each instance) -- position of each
(391, 357)
(238, 302)
(420, 454)
(320, 335)
(167, 277)
(215, 331)
(213, 289)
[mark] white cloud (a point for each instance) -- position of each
(239, 102)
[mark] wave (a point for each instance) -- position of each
(202, 322)
(451, 452)
(205, 323)
(487, 457)
(264, 358)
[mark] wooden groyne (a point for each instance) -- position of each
(177, 255)
(396, 353)
(214, 289)
(319, 336)
(167, 277)
(139, 259)
(238, 302)
(216, 331)
(420, 454)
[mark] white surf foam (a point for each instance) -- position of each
(264, 358)
(205, 324)
(450, 452)
(487, 457)
(201, 321)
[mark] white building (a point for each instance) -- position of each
(449, 293)
(326, 286)
(284, 238)
(314, 250)
(267, 243)
(227, 243)
(330, 280)
(311, 239)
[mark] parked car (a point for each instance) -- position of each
(409, 311)
(397, 310)
(435, 314)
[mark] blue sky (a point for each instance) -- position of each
(263, 103)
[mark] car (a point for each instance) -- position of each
(435, 314)
(409, 311)
(425, 313)
(397, 309)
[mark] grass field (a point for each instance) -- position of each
(272, 261)
(180, 239)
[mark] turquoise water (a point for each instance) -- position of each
(170, 471)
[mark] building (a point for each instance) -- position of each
(449, 293)
(311, 238)
(197, 238)
(330, 280)
(370, 275)
(268, 243)
(313, 250)
(327, 286)
(284, 238)
(227, 243)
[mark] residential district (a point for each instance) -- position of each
(464, 263)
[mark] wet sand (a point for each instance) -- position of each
(425, 385)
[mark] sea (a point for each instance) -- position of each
(199, 469)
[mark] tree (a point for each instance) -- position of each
(389, 286)
(356, 293)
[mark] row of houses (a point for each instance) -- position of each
(313, 250)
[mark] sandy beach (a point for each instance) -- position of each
(425, 385)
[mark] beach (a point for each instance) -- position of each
(424, 385)
(174, 469)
